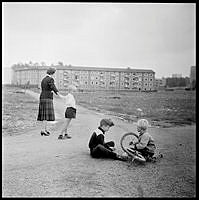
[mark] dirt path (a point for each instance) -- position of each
(36, 166)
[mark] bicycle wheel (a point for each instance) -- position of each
(126, 139)
(125, 144)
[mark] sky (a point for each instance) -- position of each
(156, 36)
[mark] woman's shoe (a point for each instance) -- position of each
(67, 136)
(48, 132)
(44, 133)
(60, 137)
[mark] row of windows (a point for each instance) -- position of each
(111, 73)
(35, 73)
(65, 72)
(102, 80)
(112, 78)
(104, 83)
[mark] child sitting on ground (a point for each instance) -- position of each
(100, 149)
(145, 145)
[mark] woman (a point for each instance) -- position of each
(46, 109)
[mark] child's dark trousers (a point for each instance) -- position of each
(103, 151)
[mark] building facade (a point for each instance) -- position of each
(160, 83)
(176, 75)
(193, 76)
(87, 78)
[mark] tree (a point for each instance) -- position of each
(176, 82)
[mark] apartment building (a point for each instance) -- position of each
(160, 83)
(88, 78)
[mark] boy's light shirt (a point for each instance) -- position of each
(144, 140)
(70, 100)
(98, 132)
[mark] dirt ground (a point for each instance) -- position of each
(38, 166)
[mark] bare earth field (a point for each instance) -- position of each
(19, 111)
(36, 166)
(162, 108)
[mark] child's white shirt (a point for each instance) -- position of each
(70, 100)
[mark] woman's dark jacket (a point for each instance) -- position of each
(47, 86)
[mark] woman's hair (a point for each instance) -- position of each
(51, 71)
(143, 123)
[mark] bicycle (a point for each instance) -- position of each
(127, 142)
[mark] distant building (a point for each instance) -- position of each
(6, 75)
(193, 76)
(176, 75)
(160, 83)
(88, 78)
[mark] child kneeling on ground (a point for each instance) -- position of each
(100, 149)
(145, 145)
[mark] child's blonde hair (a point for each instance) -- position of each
(143, 123)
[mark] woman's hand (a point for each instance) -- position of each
(60, 96)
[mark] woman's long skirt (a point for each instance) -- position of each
(46, 110)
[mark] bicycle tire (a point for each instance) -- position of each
(136, 156)
(124, 137)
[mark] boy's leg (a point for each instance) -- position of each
(66, 133)
(65, 126)
(101, 151)
(146, 154)
(110, 144)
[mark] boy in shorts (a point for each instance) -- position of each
(70, 112)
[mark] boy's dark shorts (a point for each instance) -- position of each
(70, 112)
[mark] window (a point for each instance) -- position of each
(135, 78)
(111, 83)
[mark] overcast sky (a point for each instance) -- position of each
(161, 37)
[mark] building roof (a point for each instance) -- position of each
(70, 67)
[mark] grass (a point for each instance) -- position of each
(19, 111)
(161, 108)
(164, 108)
